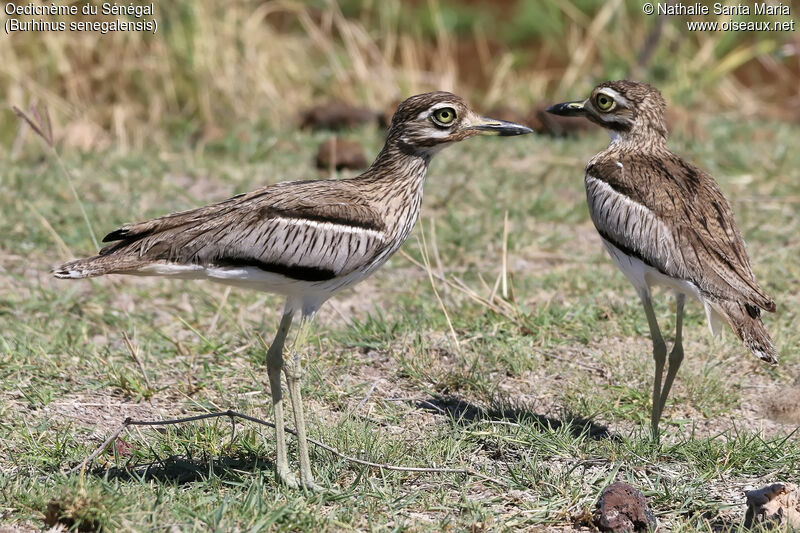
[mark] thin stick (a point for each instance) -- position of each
(99, 450)
(213, 326)
(233, 414)
(430, 273)
(369, 394)
(436, 256)
(233, 434)
(134, 351)
(44, 128)
(64, 250)
(504, 268)
(76, 196)
(502, 307)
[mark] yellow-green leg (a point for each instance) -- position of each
(294, 371)
(274, 366)
(676, 355)
(660, 358)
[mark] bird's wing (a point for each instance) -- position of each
(312, 230)
(683, 226)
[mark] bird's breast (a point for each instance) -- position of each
(632, 227)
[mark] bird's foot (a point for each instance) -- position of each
(291, 481)
(312, 486)
(288, 479)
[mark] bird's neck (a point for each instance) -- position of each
(647, 133)
(397, 171)
(638, 139)
(395, 182)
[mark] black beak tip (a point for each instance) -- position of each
(567, 109)
(516, 129)
(501, 128)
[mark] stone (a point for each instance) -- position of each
(620, 508)
(777, 504)
(336, 115)
(340, 154)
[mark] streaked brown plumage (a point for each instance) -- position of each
(666, 222)
(305, 240)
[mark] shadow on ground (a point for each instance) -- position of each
(180, 470)
(463, 412)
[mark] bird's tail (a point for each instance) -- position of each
(745, 319)
(97, 265)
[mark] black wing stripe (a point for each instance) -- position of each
(297, 272)
(629, 251)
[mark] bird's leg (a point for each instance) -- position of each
(676, 355)
(660, 357)
(294, 375)
(274, 366)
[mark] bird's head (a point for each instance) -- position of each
(627, 109)
(425, 123)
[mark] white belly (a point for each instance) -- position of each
(643, 277)
(305, 296)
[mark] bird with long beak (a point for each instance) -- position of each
(305, 240)
(666, 222)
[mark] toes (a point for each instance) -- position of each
(312, 486)
(289, 480)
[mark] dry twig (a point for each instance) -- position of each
(233, 414)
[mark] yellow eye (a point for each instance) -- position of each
(444, 116)
(604, 102)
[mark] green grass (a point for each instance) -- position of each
(547, 390)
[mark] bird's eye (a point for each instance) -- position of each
(604, 102)
(444, 116)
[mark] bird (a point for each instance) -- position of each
(666, 222)
(305, 240)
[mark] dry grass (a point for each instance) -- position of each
(212, 67)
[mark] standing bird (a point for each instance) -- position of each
(665, 222)
(305, 240)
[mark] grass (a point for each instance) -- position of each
(546, 390)
(211, 72)
(529, 362)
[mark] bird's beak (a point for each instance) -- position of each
(492, 126)
(568, 109)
